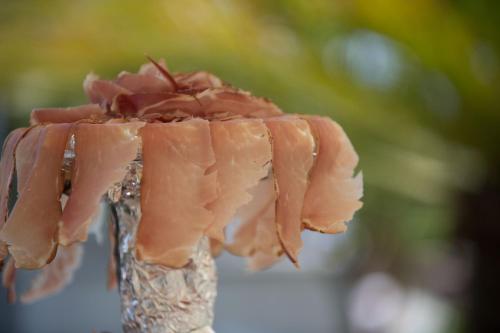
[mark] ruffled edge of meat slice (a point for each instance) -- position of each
(102, 92)
(333, 194)
(54, 277)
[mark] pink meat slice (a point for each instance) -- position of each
(261, 207)
(9, 280)
(238, 102)
(66, 115)
(176, 187)
(143, 83)
(260, 261)
(7, 168)
(102, 154)
(26, 155)
(102, 92)
(55, 276)
(38, 208)
(198, 80)
(220, 103)
(333, 194)
(257, 236)
(243, 154)
(293, 148)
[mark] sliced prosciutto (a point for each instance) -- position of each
(31, 229)
(67, 115)
(102, 155)
(256, 236)
(243, 154)
(244, 242)
(102, 92)
(56, 275)
(7, 168)
(176, 187)
(333, 194)
(142, 83)
(293, 148)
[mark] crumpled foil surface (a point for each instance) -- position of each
(155, 298)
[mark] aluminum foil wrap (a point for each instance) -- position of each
(155, 298)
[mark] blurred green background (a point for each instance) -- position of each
(415, 84)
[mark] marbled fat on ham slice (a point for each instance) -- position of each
(242, 150)
(293, 148)
(333, 194)
(66, 115)
(56, 275)
(176, 187)
(102, 155)
(31, 229)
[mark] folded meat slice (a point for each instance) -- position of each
(102, 92)
(38, 208)
(102, 155)
(223, 101)
(293, 148)
(7, 168)
(333, 194)
(261, 209)
(66, 115)
(56, 275)
(177, 184)
(198, 80)
(243, 154)
(143, 83)
(256, 236)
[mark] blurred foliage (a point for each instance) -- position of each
(415, 84)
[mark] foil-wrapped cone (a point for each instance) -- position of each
(156, 298)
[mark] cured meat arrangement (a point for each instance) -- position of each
(212, 155)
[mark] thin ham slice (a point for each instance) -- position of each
(243, 154)
(176, 187)
(67, 115)
(333, 194)
(102, 155)
(102, 92)
(38, 208)
(9, 280)
(55, 276)
(143, 83)
(7, 167)
(198, 80)
(293, 148)
(261, 207)
(256, 236)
